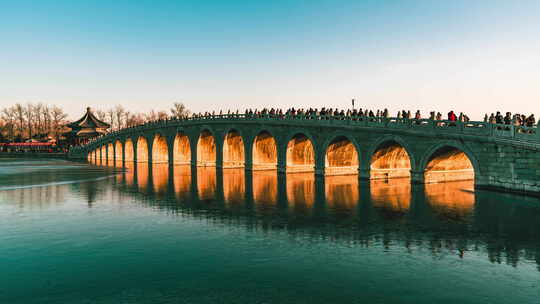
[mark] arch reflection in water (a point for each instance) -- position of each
(341, 192)
(142, 174)
(206, 183)
(183, 182)
(452, 200)
(265, 187)
(301, 191)
(392, 195)
(234, 186)
(160, 177)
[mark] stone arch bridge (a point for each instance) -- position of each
(502, 157)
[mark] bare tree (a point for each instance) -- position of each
(119, 112)
(179, 110)
(110, 117)
(162, 115)
(29, 116)
(57, 121)
(19, 116)
(8, 115)
(36, 115)
(101, 115)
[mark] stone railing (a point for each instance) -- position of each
(428, 125)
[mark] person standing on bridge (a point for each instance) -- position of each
(452, 116)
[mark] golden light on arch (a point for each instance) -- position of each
(300, 154)
(233, 150)
(110, 153)
(448, 164)
(264, 152)
(129, 152)
(102, 154)
(341, 157)
(181, 150)
(390, 160)
(206, 149)
(160, 150)
(142, 149)
(118, 151)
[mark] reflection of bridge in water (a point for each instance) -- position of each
(437, 217)
(426, 151)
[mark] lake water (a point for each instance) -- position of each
(78, 233)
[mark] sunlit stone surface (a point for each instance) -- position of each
(390, 161)
(233, 150)
(160, 151)
(142, 150)
(129, 151)
(182, 150)
(449, 164)
(206, 149)
(341, 157)
(300, 154)
(264, 152)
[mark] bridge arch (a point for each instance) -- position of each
(390, 158)
(449, 161)
(102, 153)
(300, 153)
(142, 149)
(160, 149)
(181, 149)
(233, 150)
(118, 149)
(90, 156)
(341, 155)
(264, 151)
(206, 149)
(110, 152)
(129, 150)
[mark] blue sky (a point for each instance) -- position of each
(472, 56)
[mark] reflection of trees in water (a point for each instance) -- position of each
(441, 218)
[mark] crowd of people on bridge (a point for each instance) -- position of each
(327, 113)
(509, 119)
(359, 114)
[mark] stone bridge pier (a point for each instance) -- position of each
(502, 158)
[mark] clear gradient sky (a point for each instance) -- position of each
(472, 56)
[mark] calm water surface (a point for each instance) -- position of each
(78, 233)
